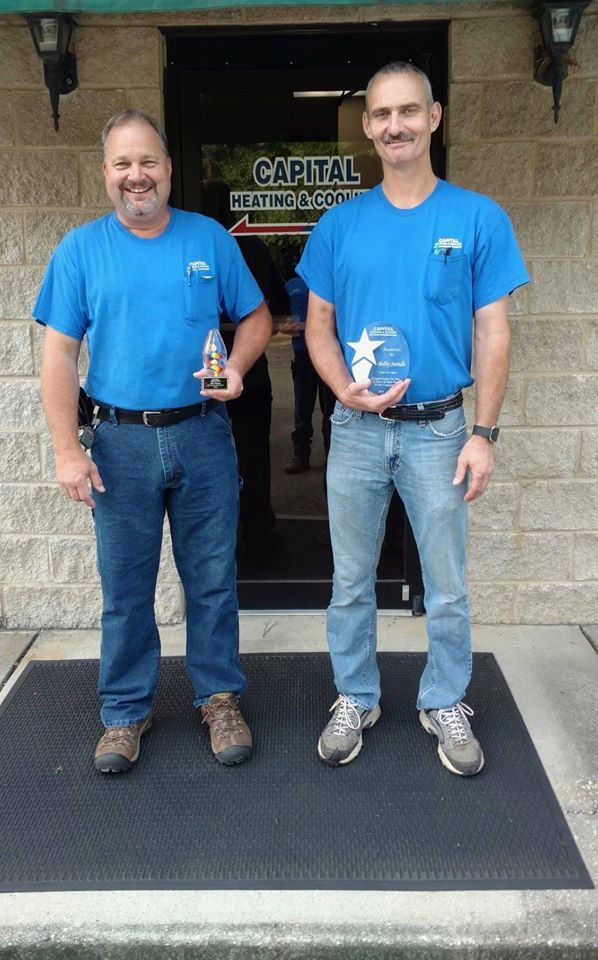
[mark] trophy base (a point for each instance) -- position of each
(215, 383)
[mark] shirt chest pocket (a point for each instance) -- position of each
(201, 299)
(445, 277)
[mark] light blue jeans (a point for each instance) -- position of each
(368, 458)
(189, 471)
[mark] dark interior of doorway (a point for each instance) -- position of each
(236, 86)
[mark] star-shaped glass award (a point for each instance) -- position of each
(381, 354)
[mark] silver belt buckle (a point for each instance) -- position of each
(146, 414)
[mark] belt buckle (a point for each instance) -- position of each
(149, 413)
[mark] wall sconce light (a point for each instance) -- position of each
(559, 20)
(51, 34)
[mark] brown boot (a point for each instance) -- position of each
(118, 747)
(229, 734)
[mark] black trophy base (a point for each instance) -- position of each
(215, 383)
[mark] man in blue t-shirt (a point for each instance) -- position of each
(144, 285)
(395, 277)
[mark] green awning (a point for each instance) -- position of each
(174, 6)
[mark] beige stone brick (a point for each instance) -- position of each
(559, 505)
(93, 191)
(518, 301)
(73, 559)
(512, 413)
(586, 45)
(557, 603)
(524, 109)
(38, 179)
(41, 509)
(498, 169)
(496, 509)
(464, 113)
(518, 556)
(16, 357)
(6, 128)
(82, 116)
(589, 453)
(491, 602)
(544, 345)
(118, 57)
(566, 170)
(170, 607)
(11, 238)
(149, 99)
(23, 560)
(76, 607)
(551, 229)
(595, 229)
(566, 286)
(577, 398)
(18, 289)
(168, 571)
(45, 229)
(536, 454)
(494, 47)
(585, 556)
(592, 345)
(19, 457)
(20, 404)
(19, 64)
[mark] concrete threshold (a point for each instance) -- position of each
(553, 674)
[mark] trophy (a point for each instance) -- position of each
(214, 359)
(382, 355)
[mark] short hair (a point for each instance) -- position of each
(402, 66)
(133, 116)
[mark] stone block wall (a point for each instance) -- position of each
(534, 535)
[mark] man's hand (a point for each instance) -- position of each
(477, 457)
(74, 472)
(234, 389)
(357, 396)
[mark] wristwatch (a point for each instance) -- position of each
(490, 433)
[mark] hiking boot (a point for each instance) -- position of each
(229, 734)
(458, 749)
(118, 747)
(341, 737)
(296, 465)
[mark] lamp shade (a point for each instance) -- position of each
(51, 34)
(559, 21)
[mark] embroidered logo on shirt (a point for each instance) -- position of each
(200, 267)
(444, 245)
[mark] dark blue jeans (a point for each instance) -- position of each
(307, 386)
(188, 471)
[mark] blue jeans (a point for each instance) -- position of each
(189, 471)
(368, 458)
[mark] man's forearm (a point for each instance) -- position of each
(492, 346)
(60, 395)
(328, 359)
(251, 339)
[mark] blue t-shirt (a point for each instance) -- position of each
(145, 305)
(425, 270)
(298, 296)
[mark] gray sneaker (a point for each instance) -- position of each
(458, 749)
(341, 737)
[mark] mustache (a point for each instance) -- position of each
(400, 138)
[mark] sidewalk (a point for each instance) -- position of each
(553, 675)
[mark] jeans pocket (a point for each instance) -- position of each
(342, 414)
(445, 278)
(451, 425)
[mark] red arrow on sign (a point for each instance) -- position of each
(243, 228)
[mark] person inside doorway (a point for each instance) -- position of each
(425, 257)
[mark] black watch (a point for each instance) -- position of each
(490, 433)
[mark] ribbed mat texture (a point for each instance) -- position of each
(393, 819)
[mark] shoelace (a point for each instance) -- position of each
(118, 736)
(224, 715)
(454, 719)
(346, 717)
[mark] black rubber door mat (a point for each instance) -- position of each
(393, 819)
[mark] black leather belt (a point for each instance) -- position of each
(435, 410)
(152, 418)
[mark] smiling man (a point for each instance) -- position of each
(415, 259)
(144, 284)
